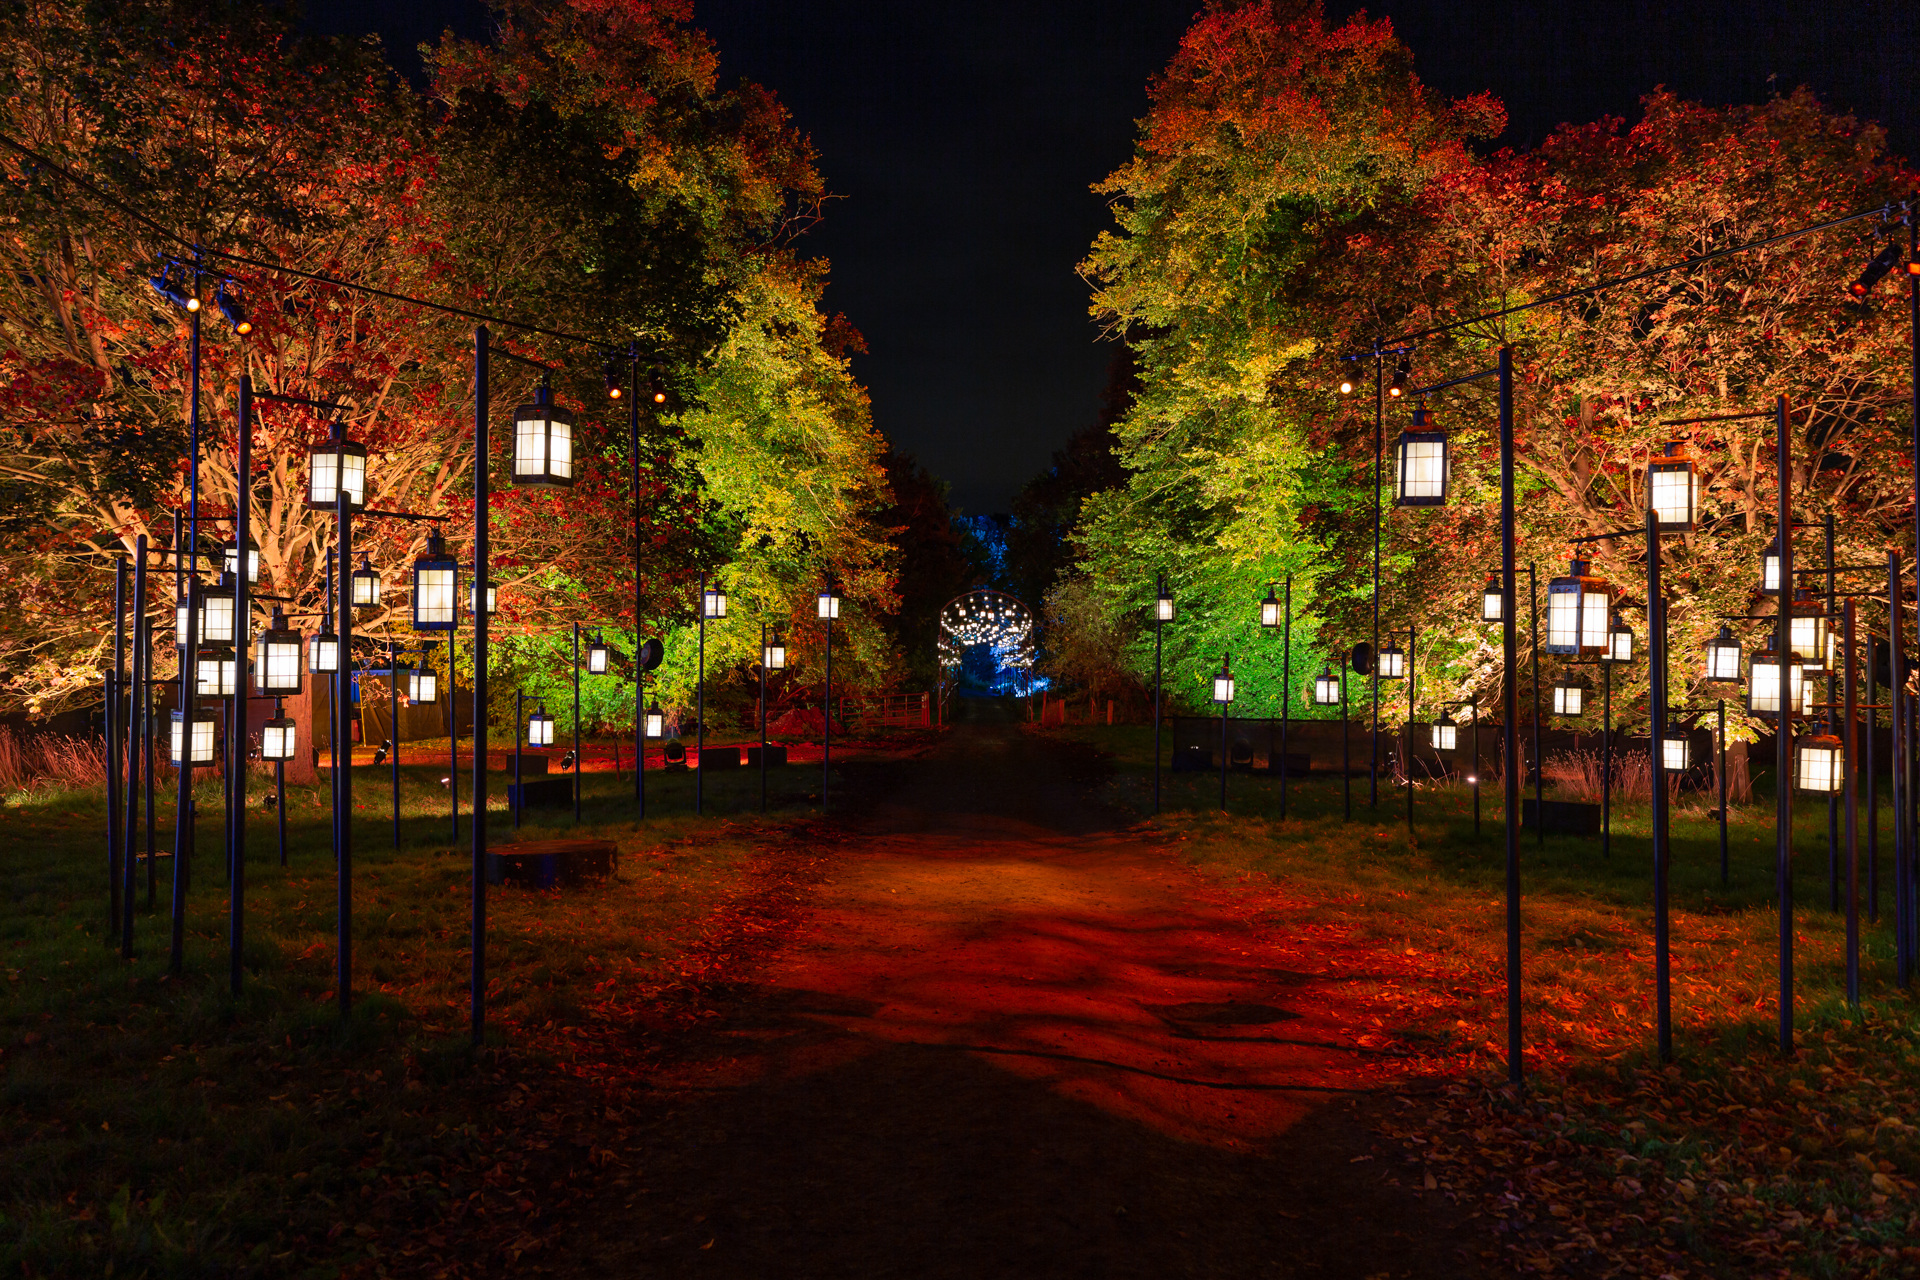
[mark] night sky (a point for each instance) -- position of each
(964, 139)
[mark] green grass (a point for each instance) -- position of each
(159, 1125)
(1725, 1162)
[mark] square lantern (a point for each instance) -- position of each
(197, 728)
(1676, 751)
(542, 443)
(277, 739)
(180, 625)
(276, 659)
(599, 657)
(827, 605)
(1326, 687)
(323, 652)
(1391, 663)
(540, 729)
(1569, 699)
(336, 464)
(1223, 684)
(1723, 656)
(1421, 464)
(1270, 610)
(217, 613)
(217, 673)
(1763, 682)
(1770, 569)
(1493, 600)
(232, 564)
(366, 585)
(1445, 735)
(423, 686)
(1577, 613)
(1819, 764)
(656, 725)
(436, 587)
(1619, 643)
(493, 599)
(1163, 606)
(713, 603)
(1673, 490)
(774, 656)
(1811, 637)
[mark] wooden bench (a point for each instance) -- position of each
(545, 864)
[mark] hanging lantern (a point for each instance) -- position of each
(713, 603)
(1569, 699)
(1223, 683)
(276, 659)
(366, 584)
(232, 564)
(540, 729)
(1770, 569)
(423, 686)
(493, 599)
(197, 727)
(217, 673)
(828, 604)
(339, 462)
(542, 443)
(1445, 734)
(1421, 471)
(1811, 637)
(1763, 682)
(1723, 656)
(217, 612)
(1676, 750)
(1493, 600)
(774, 656)
(599, 657)
(180, 625)
(1577, 613)
(1819, 764)
(436, 587)
(1163, 606)
(323, 651)
(1391, 662)
(1326, 687)
(277, 739)
(1673, 490)
(1619, 643)
(656, 722)
(1270, 610)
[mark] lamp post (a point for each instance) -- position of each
(1223, 695)
(1162, 614)
(1382, 390)
(1279, 614)
(713, 604)
(773, 657)
(828, 607)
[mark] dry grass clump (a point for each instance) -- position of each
(1578, 776)
(44, 761)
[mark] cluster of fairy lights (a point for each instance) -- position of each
(989, 618)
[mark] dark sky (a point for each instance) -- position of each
(965, 138)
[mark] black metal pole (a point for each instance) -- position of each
(700, 712)
(1473, 707)
(137, 715)
(576, 723)
(1379, 459)
(183, 803)
(242, 642)
(1662, 853)
(477, 982)
(453, 723)
(1903, 967)
(1783, 740)
(1850, 761)
(336, 722)
(640, 746)
(343, 851)
(1224, 707)
(393, 714)
(146, 716)
(1160, 584)
(1412, 649)
(1509, 644)
(640, 677)
(826, 756)
(111, 728)
(519, 736)
(1286, 694)
(763, 715)
(1720, 707)
(1606, 753)
(1346, 753)
(1873, 791)
(280, 789)
(1833, 801)
(1539, 774)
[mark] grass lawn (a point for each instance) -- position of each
(1729, 1161)
(159, 1126)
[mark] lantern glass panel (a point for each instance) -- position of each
(277, 739)
(1810, 640)
(1492, 601)
(1620, 645)
(1723, 660)
(828, 605)
(435, 591)
(331, 463)
(1163, 608)
(1326, 689)
(180, 625)
(1675, 753)
(1270, 612)
(1222, 687)
(423, 686)
(217, 673)
(232, 564)
(199, 740)
(216, 615)
(276, 662)
(1393, 663)
(1763, 684)
(1445, 736)
(540, 729)
(1818, 764)
(1569, 699)
(713, 603)
(493, 599)
(542, 445)
(1770, 571)
(656, 723)
(1672, 491)
(366, 585)
(1421, 473)
(775, 656)
(598, 656)
(323, 653)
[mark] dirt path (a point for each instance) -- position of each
(1013, 1038)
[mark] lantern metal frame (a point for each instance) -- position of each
(1223, 686)
(436, 587)
(331, 463)
(1163, 609)
(1579, 612)
(1423, 463)
(543, 455)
